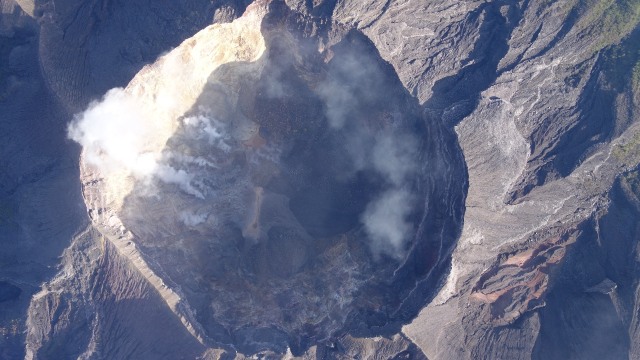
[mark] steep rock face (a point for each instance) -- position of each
(86, 311)
(40, 201)
(596, 289)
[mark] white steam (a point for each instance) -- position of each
(115, 134)
(354, 86)
(210, 129)
(112, 135)
(192, 219)
(385, 218)
(339, 102)
(385, 221)
(394, 158)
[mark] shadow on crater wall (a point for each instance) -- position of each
(330, 205)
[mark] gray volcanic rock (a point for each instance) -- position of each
(100, 300)
(347, 179)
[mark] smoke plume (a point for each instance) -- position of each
(356, 89)
(115, 132)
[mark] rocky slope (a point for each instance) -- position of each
(40, 203)
(521, 230)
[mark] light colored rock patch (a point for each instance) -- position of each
(159, 95)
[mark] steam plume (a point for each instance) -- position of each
(114, 133)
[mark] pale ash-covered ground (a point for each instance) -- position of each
(543, 98)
